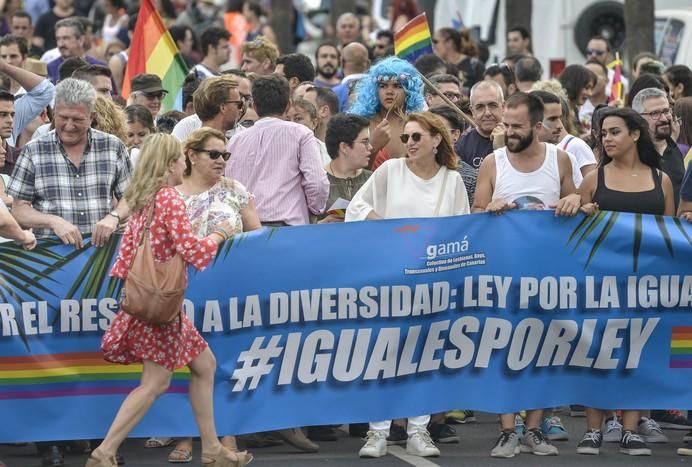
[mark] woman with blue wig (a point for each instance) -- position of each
(391, 90)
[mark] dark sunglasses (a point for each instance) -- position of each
(416, 137)
(240, 104)
(213, 155)
(595, 52)
(155, 95)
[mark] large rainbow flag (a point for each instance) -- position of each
(153, 51)
(414, 39)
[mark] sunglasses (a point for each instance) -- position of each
(213, 155)
(595, 52)
(155, 95)
(240, 104)
(416, 137)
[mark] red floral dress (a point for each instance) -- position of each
(174, 345)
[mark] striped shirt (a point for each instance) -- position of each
(83, 195)
(279, 163)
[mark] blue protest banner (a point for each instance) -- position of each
(369, 321)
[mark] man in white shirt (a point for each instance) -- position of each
(598, 49)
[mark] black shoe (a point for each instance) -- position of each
(358, 430)
(632, 444)
(322, 433)
(442, 433)
(52, 457)
(397, 435)
(671, 419)
(590, 443)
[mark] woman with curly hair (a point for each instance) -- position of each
(391, 90)
(110, 118)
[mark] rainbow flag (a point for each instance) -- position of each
(414, 39)
(617, 90)
(681, 347)
(154, 51)
(73, 374)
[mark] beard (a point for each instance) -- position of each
(327, 71)
(516, 144)
(663, 131)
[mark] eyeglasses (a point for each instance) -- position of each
(416, 137)
(452, 96)
(364, 142)
(240, 104)
(154, 95)
(247, 98)
(213, 154)
(596, 52)
(491, 106)
(246, 123)
(657, 114)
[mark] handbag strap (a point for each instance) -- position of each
(147, 227)
(442, 192)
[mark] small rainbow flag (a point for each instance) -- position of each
(681, 347)
(154, 51)
(73, 374)
(414, 39)
(617, 87)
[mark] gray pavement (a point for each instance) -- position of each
(474, 450)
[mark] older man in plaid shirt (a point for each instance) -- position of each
(64, 183)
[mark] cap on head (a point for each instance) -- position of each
(147, 83)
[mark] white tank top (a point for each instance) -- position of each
(535, 190)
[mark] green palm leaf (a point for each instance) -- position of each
(584, 222)
(661, 223)
(602, 236)
(592, 226)
(99, 272)
(680, 227)
(637, 241)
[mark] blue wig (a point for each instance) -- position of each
(367, 102)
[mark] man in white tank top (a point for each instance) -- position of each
(525, 174)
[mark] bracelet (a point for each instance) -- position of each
(221, 233)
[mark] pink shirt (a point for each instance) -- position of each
(279, 163)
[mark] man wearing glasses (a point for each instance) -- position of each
(147, 90)
(653, 105)
(486, 111)
(449, 85)
(598, 49)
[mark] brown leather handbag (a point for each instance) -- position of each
(153, 291)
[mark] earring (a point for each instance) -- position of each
(435, 150)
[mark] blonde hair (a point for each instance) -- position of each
(151, 172)
(196, 141)
(110, 118)
(211, 94)
(261, 48)
(552, 86)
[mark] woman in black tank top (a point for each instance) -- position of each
(628, 178)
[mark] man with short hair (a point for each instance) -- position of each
(598, 49)
(527, 70)
(503, 75)
(384, 44)
(71, 37)
(475, 144)
(184, 38)
(518, 41)
(653, 105)
(99, 76)
(355, 62)
(526, 174)
(327, 57)
(64, 184)
(14, 50)
(279, 161)
(449, 85)
(147, 90)
(21, 25)
(217, 103)
(216, 49)
(296, 68)
(259, 56)
(347, 29)
(327, 105)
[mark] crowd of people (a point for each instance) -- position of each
(265, 138)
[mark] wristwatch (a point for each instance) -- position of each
(115, 214)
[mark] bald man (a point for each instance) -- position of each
(347, 29)
(355, 62)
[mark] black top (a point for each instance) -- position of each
(472, 147)
(641, 202)
(673, 166)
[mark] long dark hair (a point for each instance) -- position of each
(645, 146)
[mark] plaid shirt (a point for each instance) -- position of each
(83, 195)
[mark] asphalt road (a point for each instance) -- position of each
(474, 450)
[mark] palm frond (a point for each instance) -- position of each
(680, 227)
(584, 222)
(103, 258)
(637, 241)
(602, 236)
(661, 223)
(592, 226)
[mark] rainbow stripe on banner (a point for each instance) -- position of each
(681, 347)
(154, 51)
(414, 39)
(73, 374)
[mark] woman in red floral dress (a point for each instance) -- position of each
(163, 348)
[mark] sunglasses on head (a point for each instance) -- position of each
(213, 155)
(416, 137)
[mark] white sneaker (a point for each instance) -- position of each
(420, 444)
(375, 444)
